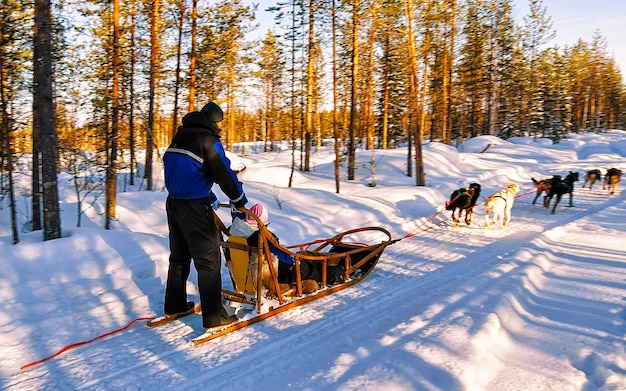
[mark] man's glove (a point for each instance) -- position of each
(235, 213)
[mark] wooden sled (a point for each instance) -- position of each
(252, 302)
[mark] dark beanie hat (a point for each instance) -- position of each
(213, 112)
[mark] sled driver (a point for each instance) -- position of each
(193, 162)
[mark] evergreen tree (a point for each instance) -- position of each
(44, 117)
(474, 63)
(536, 33)
(271, 65)
(391, 68)
(15, 50)
(222, 42)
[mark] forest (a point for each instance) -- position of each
(85, 84)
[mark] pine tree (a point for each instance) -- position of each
(392, 66)
(417, 110)
(14, 54)
(536, 33)
(44, 118)
(271, 73)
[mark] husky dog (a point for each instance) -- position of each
(498, 206)
(541, 186)
(560, 187)
(591, 177)
(611, 179)
(464, 199)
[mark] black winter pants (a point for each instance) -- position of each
(193, 234)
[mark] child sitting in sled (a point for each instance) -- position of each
(246, 226)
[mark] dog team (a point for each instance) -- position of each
(498, 206)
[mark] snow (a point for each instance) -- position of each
(536, 305)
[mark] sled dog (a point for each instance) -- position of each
(591, 177)
(498, 206)
(559, 188)
(611, 179)
(463, 200)
(541, 186)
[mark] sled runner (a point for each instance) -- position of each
(259, 280)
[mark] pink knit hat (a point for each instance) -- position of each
(259, 210)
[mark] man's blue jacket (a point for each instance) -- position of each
(195, 160)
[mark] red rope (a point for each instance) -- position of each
(452, 200)
(32, 364)
(529, 192)
(421, 228)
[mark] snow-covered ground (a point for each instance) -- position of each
(536, 305)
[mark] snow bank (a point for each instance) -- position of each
(478, 144)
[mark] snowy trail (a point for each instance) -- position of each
(539, 304)
(425, 290)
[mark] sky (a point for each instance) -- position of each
(539, 304)
(572, 20)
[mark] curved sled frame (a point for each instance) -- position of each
(358, 260)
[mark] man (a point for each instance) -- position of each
(194, 161)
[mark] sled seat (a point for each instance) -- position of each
(239, 268)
